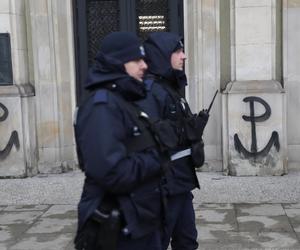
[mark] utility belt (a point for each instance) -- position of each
(110, 227)
(112, 218)
(101, 231)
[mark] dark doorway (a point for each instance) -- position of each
(93, 19)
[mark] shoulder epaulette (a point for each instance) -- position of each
(101, 96)
(148, 83)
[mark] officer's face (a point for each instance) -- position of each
(136, 69)
(177, 59)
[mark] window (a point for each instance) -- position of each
(6, 77)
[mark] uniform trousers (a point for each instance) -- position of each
(180, 226)
(151, 241)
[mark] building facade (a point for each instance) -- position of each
(246, 49)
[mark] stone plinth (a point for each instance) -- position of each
(18, 154)
(254, 130)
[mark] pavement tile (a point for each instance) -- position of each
(9, 233)
(51, 225)
(5, 233)
(230, 240)
(278, 240)
(213, 232)
(227, 246)
(220, 226)
(264, 240)
(26, 217)
(294, 218)
(293, 214)
(14, 224)
(214, 206)
(2, 207)
(291, 205)
(3, 246)
(264, 223)
(25, 208)
(215, 216)
(260, 209)
(61, 211)
(297, 231)
(43, 242)
(70, 246)
(58, 219)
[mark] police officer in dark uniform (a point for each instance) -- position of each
(165, 81)
(121, 205)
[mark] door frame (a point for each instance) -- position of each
(127, 23)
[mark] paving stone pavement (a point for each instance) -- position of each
(39, 213)
(220, 226)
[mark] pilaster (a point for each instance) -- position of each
(50, 25)
(202, 47)
(254, 102)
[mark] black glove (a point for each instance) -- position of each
(201, 122)
(198, 155)
(194, 126)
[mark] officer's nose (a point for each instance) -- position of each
(144, 65)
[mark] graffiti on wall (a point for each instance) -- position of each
(274, 140)
(14, 137)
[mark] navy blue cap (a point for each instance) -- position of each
(122, 46)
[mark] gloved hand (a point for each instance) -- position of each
(201, 122)
(198, 155)
(195, 125)
(204, 115)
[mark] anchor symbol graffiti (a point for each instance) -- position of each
(14, 138)
(274, 140)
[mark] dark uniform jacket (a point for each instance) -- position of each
(103, 127)
(165, 101)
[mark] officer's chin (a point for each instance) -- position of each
(179, 68)
(138, 79)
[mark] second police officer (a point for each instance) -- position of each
(165, 82)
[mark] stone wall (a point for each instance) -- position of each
(226, 41)
(18, 143)
(291, 73)
(202, 40)
(36, 110)
(52, 57)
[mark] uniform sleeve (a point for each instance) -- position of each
(104, 153)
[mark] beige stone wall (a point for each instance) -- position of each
(202, 40)
(241, 40)
(255, 39)
(50, 24)
(219, 49)
(291, 63)
(42, 96)
(19, 158)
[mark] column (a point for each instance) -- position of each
(291, 76)
(254, 105)
(202, 47)
(52, 55)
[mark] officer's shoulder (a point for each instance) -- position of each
(101, 96)
(149, 84)
(158, 90)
